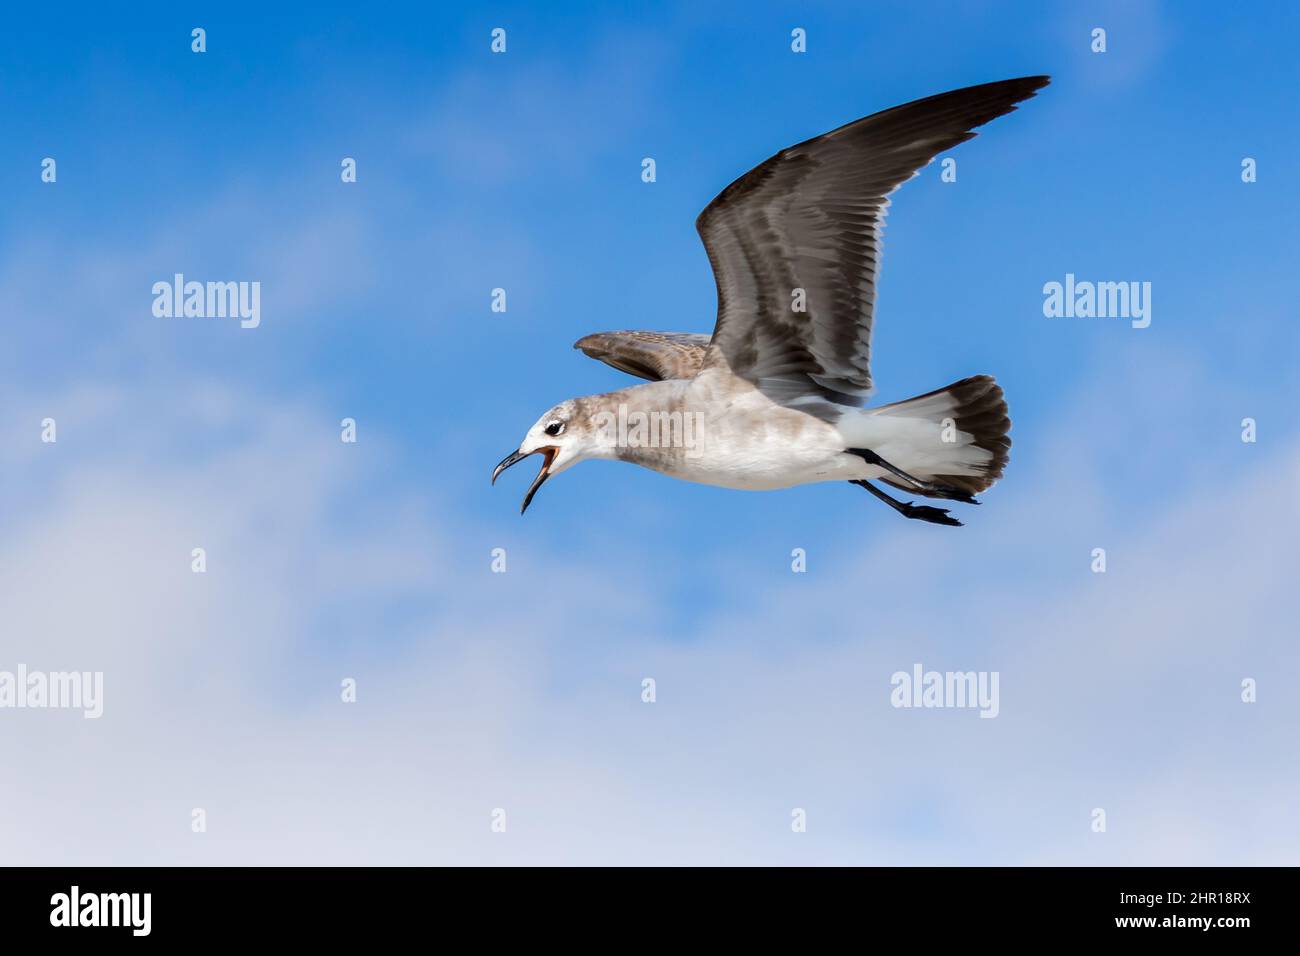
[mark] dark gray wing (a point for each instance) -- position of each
(652, 355)
(811, 218)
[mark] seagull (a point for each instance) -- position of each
(775, 397)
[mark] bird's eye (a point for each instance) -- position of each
(554, 428)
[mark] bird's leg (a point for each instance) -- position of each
(909, 510)
(931, 488)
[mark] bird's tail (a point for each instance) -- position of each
(953, 436)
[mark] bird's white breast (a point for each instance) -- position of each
(743, 440)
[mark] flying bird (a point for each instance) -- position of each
(774, 398)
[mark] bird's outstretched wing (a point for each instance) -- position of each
(652, 355)
(806, 224)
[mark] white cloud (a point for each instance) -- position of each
(522, 690)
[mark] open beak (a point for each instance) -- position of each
(548, 454)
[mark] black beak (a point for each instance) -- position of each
(517, 456)
(514, 458)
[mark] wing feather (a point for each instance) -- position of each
(811, 219)
(650, 355)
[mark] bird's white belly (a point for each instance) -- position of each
(763, 448)
(759, 469)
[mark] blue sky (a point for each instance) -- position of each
(522, 690)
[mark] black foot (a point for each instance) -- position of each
(909, 510)
(948, 493)
(931, 488)
(926, 513)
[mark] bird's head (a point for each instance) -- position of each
(564, 436)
